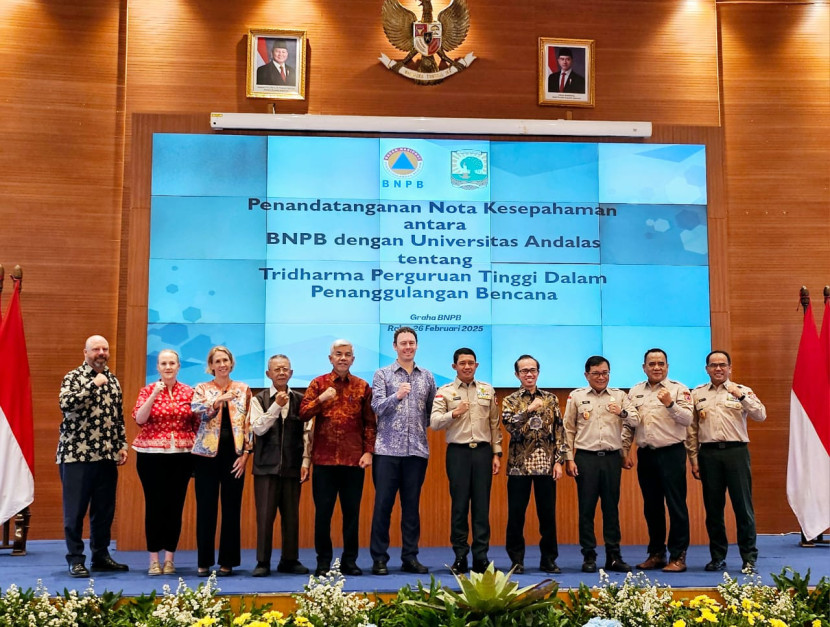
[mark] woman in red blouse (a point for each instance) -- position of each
(163, 460)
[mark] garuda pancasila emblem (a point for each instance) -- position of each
(427, 38)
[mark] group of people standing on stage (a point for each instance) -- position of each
(342, 425)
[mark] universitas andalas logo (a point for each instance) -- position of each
(403, 162)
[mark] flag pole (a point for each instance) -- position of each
(17, 538)
(17, 276)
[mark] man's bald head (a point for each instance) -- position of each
(97, 352)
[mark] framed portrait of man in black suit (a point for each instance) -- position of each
(276, 64)
(566, 72)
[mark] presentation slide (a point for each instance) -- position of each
(560, 250)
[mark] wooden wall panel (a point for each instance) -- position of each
(776, 96)
(656, 60)
(60, 158)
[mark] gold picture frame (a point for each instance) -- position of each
(576, 87)
(276, 64)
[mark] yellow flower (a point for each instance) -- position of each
(258, 623)
(205, 622)
(301, 621)
(679, 623)
(775, 622)
(272, 615)
(816, 623)
(746, 604)
(676, 603)
(707, 614)
(242, 618)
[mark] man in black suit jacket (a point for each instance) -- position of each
(276, 72)
(574, 83)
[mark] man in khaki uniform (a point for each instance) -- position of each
(468, 411)
(720, 458)
(599, 426)
(665, 410)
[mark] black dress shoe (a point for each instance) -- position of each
(617, 566)
(78, 570)
(518, 568)
(350, 568)
(322, 570)
(549, 566)
(415, 567)
(479, 566)
(224, 572)
(379, 568)
(262, 570)
(749, 567)
(715, 565)
(292, 568)
(108, 564)
(460, 566)
(589, 566)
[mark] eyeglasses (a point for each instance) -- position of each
(524, 371)
(604, 373)
(717, 365)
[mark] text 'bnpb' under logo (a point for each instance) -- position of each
(470, 169)
(403, 162)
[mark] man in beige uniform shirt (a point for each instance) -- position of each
(665, 410)
(720, 458)
(468, 411)
(599, 426)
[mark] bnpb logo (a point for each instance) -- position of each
(403, 162)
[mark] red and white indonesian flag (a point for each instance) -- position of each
(808, 467)
(17, 446)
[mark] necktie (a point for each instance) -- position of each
(282, 73)
(561, 82)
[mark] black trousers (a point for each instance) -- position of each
(273, 493)
(164, 477)
(214, 481)
(599, 480)
(518, 498)
(661, 473)
(327, 484)
(470, 474)
(390, 475)
(723, 469)
(88, 486)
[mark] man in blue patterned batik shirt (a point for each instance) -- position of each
(402, 396)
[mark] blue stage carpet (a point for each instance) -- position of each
(45, 561)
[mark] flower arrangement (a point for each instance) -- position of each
(791, 602)
(323, 602)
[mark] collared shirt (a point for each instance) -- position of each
(344, 427)
(660, 425)
(402, 424)
(589, 426)
(261, 421)
(171, 426)
(537, 439)
(92, 428)
(720, 417)
(478, 424)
